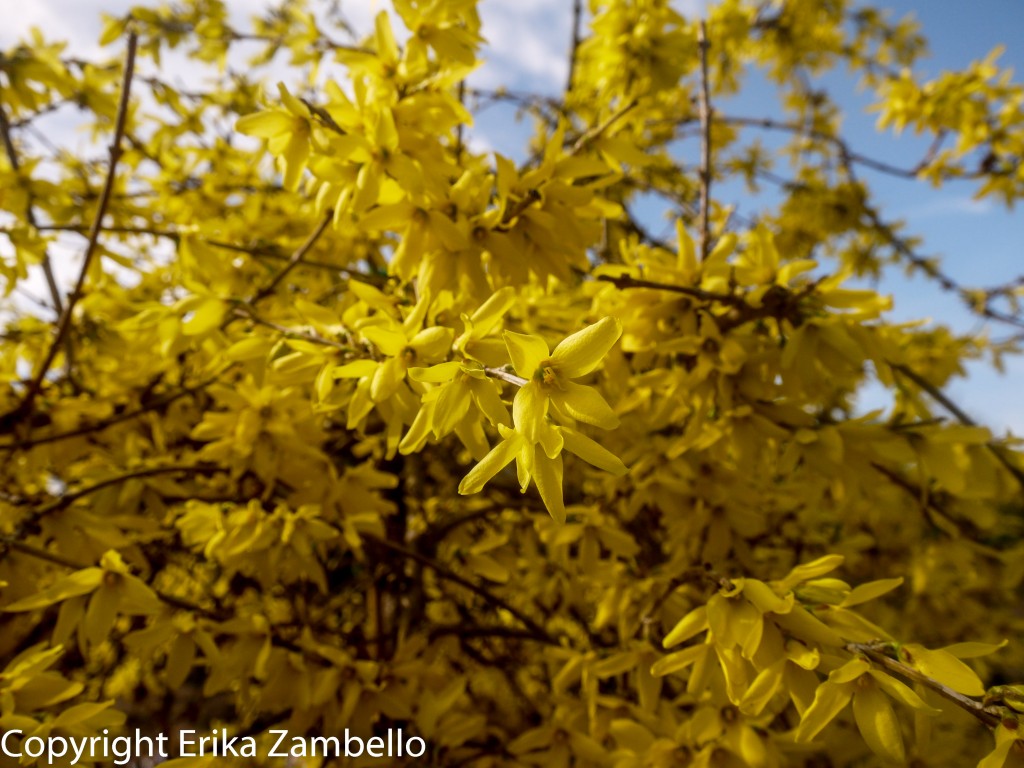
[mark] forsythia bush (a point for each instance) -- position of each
(258, 440)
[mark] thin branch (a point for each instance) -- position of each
(70, 498)
(294, 260)
(13, 540)
(258, 252)
(30, 216)
(64, 322)
(113, 420)
(10, 544)
(705, 113)
(246, 312)
(623, 282)
(443, 572)
(940, 397)
(503, 375)
(990, 716)
(843, 148)
(509, 633)
(577, 20)
(599, 129)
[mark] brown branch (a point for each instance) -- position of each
(875, 652)
(13, 540)
(539, 633)
(11, 418)
(246, 312)
(509, 633)
(30, 216)
(624, 282)
(70, 498)
(705, 113)
(503, 375)
(600, 128)
(109, 422)
(257, 252)
(940, 397)
(577, 19)
(294, 260)
(841, 146)
(10, 544)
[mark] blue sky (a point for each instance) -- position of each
(982, 243)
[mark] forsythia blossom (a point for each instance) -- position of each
(548, 382)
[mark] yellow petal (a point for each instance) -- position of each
(581, 353)
(678, 660)
(485, 395)
(547, 473)
(490, 465)
(765, 599)
(692, 623)
(973, 650)
(584, 404)
(491, 312)
(436, 374)
(386, 379)
(943, 667)
(529, 410)
(390, 341)
(591, 452)
(79, 583)
(205, 318)
(870, 591)
(762, 689)
(812, 570)
(526, 352)
(829, 700)
(902, 693)
(357, 369)
(432, 343)
(878, 724)
(266, 125)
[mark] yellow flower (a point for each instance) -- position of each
(287, 133)
(548, 377)
(872, 711)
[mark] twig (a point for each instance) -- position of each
(939, 396)
(70, 498)
(704, 111)
(503, 375)
(843, 148)
(294, 261)
(14, 538)
(988, 715)
(623, 282)
(577, 19)
(597, 130)
(259, 252)
(30, 216)
(246, 312)
(41, 554)
(11, 418)
(442, 571)
(113, 420)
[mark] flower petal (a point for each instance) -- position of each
(526, 352)
(877, 723)
(529, 410)
(579, 354)
(592, 453)
(829, 700)
(547, 473)
(584, 404)
(490, 465)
